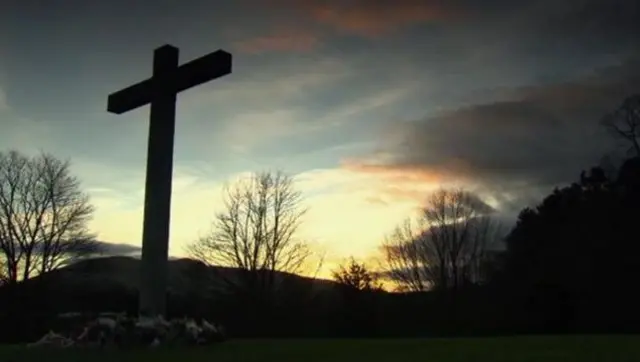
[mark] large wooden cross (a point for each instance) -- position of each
(161, 91)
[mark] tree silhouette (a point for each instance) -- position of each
(356, 276)
(447, 248)
(573, 258)
(624, 124)
(256, 232)
(43, 216)
(360, 289)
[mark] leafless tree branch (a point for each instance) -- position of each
(624, 123)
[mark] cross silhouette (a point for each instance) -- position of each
(161, 92)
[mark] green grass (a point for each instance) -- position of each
(516, 349)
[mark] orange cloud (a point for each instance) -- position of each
(397, 173)
(279, 41)
(399, 183)
(371, 19)
(308, 20)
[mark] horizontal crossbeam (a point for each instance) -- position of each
(188, 75)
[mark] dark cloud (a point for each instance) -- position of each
(578, 17)
(611, 20)
(110, 249)
(116, 249)
(518, 148)
(552, 37)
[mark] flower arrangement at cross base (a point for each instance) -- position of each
(125, 332)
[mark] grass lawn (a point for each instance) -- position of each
(516, 349)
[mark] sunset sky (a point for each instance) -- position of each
(369, 103)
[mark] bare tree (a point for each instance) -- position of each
(256, 231)
(624, 123)
(406, 260)
(356, 276)
(445, 248)
(43, 216)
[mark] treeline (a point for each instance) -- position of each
(569, 264)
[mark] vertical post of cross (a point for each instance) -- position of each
(157, 199)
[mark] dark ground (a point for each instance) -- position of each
(520, 349)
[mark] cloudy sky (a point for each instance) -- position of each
(369, 103)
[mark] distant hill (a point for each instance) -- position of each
(110, 284)
(121, 273)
